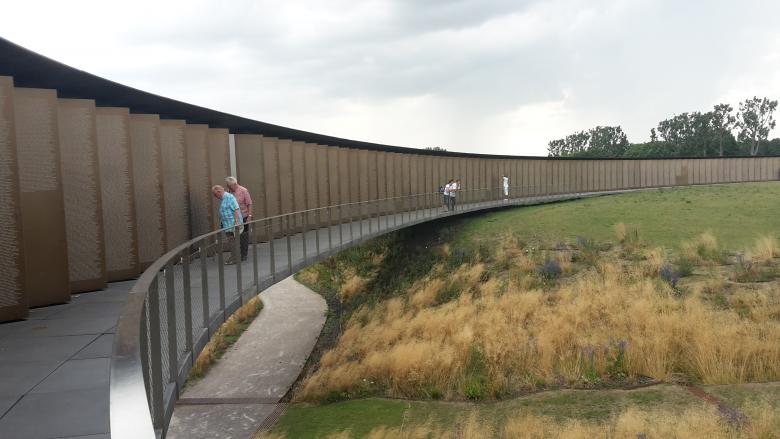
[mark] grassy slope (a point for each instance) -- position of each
(736, 214)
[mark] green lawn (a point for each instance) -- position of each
(737, 214)
(361, 416)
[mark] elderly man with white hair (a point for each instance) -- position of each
(245, 204)
(229, 217)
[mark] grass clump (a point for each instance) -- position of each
(226, 336)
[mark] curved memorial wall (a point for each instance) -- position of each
(99, 179)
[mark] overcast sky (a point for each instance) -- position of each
(489, 76)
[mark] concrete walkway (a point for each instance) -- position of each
(246, 385)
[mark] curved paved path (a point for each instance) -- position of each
(244, 387)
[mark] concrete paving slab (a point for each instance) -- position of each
(75, 413)
(225, 421)
(60, 326)
(47, 311)
(6, 402)
(18, 378)
(91, 310)
(15, 350)
(100, 348)
(84, 374)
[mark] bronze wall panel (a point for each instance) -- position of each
(390, 174)
(250, 168)
(148, 181)
(323, 182)
(381, 177)
(311, 180)
(175, 190)
(198, 182)
(285, 192)
(344, 182)
(81, 191)
(42, 205)
(219, 164)
(298, 186)
(398, 165)
(117, 193)
(353, 169)
(431, 183)
(373, 179)
(13, 295)
(271, 194)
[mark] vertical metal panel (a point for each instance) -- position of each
(354, 179)
(298, 184)
(285, 193)
(219, 164)
(334, 176)
(147, 176)
(363, 172)
(13, 295)
(175, 190)
(271, 178)
(117, 193)
(81, 191)
(390, 174)
(372, 175)
(310, 169)
(249, 167)
(438, 180)
(406, 180)
(345, 180)
(431, 183)
(323, 180)
(381, 177)
(42, 207)
(196, 141)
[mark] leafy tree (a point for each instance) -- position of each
(755, 119)
(435, 148)
(723, 122)
(689, 134)
(601, 141)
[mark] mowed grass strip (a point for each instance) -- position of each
(362, 416)
(735, 213)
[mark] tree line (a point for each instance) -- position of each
(718, 132)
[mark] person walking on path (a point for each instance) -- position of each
(245, 205)
(506, 187)
(229, 216)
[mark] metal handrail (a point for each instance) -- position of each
(145, 379)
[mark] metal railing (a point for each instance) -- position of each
(180, 301)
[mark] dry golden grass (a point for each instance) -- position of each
(621, 232)
(655, 259)
(702, 250)
(353, 284)
(765, 250)
(604, 322)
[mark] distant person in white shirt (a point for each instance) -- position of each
(447, 193)
(506, 187)
(454, 193)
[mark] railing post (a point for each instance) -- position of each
(341, 231)
(255, 264)
(304, 220)
(330, 226)
(237, 258)
(155, 353)
(289, 246)
(271, 249)
(170, 305)
(204, 281)
(317, 222)
(221, 271)
(185, 267)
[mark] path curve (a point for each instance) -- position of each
(246, 385)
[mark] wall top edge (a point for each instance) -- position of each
(31, 70)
